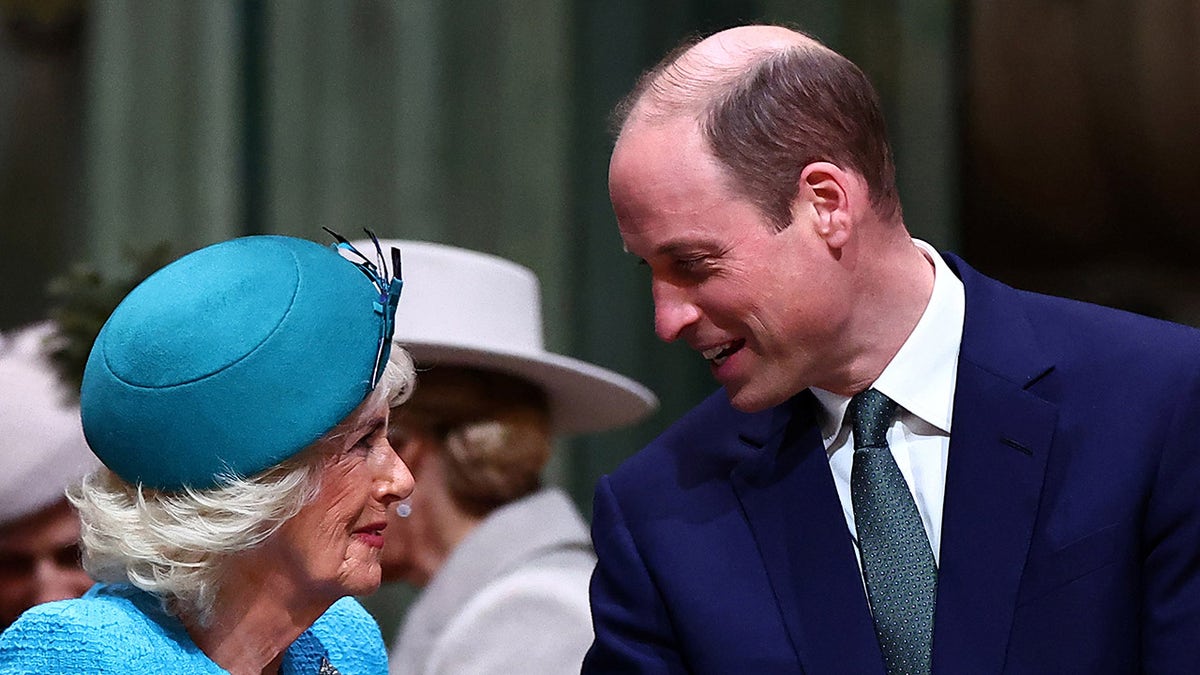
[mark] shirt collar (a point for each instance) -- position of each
(921, 376)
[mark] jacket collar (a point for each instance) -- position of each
(998, 449)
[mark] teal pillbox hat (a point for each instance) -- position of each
(232, 359)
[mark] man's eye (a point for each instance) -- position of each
(691, 264)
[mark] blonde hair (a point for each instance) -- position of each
(493, 431)
(173, 544)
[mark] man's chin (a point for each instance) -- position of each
(748, 400)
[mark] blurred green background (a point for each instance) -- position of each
(1052, 142)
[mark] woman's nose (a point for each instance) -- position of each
(396, 481)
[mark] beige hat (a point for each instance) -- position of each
(467, 308)
(42, 449)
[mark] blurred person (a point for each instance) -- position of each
(910, 467)
(504, 560)
(42, 452)
(239, 400)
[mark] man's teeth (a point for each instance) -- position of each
(718, 355)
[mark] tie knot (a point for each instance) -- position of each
(871, 414)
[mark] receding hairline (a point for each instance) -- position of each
(697, 73)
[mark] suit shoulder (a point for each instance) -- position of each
(1086, 330)
(705, 443)
(712, 415)
(1077, 336)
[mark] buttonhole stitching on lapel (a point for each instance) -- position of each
(750, 441)
(1014, 444)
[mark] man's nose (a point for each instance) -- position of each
(673, 310)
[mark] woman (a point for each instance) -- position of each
(42, 451)
(239, 400)
(504, 560)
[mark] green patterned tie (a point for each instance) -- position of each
(898, 564)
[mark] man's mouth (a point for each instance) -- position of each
(719, 354)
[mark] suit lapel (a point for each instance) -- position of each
(999, 445)
(789, 499)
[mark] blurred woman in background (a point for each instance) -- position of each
(504, 559)
(42, 452)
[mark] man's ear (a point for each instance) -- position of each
(830, 195)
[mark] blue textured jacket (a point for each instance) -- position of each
(121, 629)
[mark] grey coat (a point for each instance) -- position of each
(511, 598)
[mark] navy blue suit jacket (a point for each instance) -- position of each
(1070, 537)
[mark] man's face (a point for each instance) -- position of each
(766, 309)
(39, 561)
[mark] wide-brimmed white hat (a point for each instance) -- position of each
(42, 450)
(466, 308)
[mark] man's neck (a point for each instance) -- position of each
(894, 293)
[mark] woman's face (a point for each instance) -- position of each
(333, 545)
(39, 561)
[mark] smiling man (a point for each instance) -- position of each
(910, 467)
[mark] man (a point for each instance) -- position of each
(911, 467)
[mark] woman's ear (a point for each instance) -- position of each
(831, 196)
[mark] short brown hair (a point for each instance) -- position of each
(792, 107)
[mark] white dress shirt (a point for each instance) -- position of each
(920, 378)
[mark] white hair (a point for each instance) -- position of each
(173, 544)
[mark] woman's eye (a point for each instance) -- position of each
(67, 556)
(369, 439)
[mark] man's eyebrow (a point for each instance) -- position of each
(685, 247)
(682, 247)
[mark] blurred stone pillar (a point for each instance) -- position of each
(428, 119)
(164, 123)
(41, 232)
